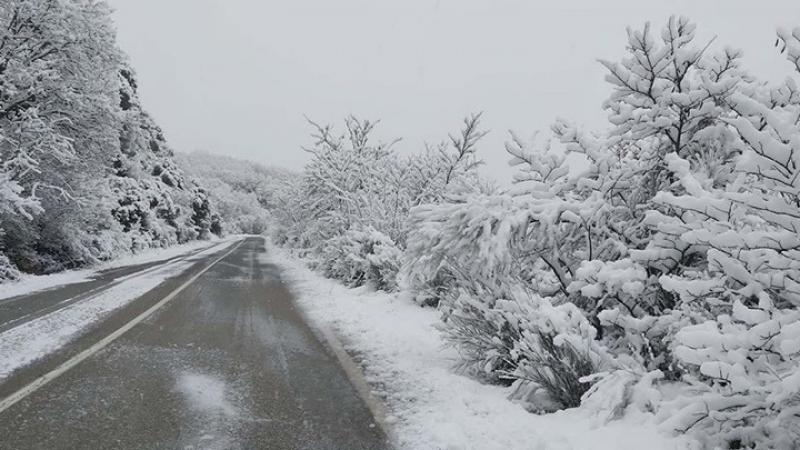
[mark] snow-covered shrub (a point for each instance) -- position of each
(7, 270)
(480, 332)
(76, 234)
(525, 234)
(526, 341)
(742, 362)
(671, 97)
(351, 211)
(437, 291)
(556, 348)
(745, 386)
(504, 247)
(457, 253)
(203, 218)
(347, 182)
(461, 241)
(709, 295)
(361, 257)
(623, 391)
(519, 245)
(682, 215)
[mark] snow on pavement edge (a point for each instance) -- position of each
(431, 406)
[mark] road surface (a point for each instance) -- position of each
(15, 311)
(228, 363)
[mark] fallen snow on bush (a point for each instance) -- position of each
(431, 406)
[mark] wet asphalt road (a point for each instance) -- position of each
(227, 364)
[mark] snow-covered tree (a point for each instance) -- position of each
(58, 63)
(357, 194)
(675, 239)
(744, 359)
(670, 98)
(667, 256)
(72, 137)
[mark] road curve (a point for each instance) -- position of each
(226, 364)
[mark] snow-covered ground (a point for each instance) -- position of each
(37, 338)
(430, 405)
(33, 283)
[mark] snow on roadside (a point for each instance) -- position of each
(433, 407)
(32, 340)
(34, 283)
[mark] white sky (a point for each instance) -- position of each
(236, 76)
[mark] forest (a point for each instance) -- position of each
(86, 173)
(651, 267)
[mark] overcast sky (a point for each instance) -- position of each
(236, 77)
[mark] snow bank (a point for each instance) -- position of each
(431, 406)
(33, 283)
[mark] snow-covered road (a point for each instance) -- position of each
(215, 356)
(36, 325)
(42, 299)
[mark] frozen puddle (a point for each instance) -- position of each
(213, 417)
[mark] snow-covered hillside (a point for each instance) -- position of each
(86, 174)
